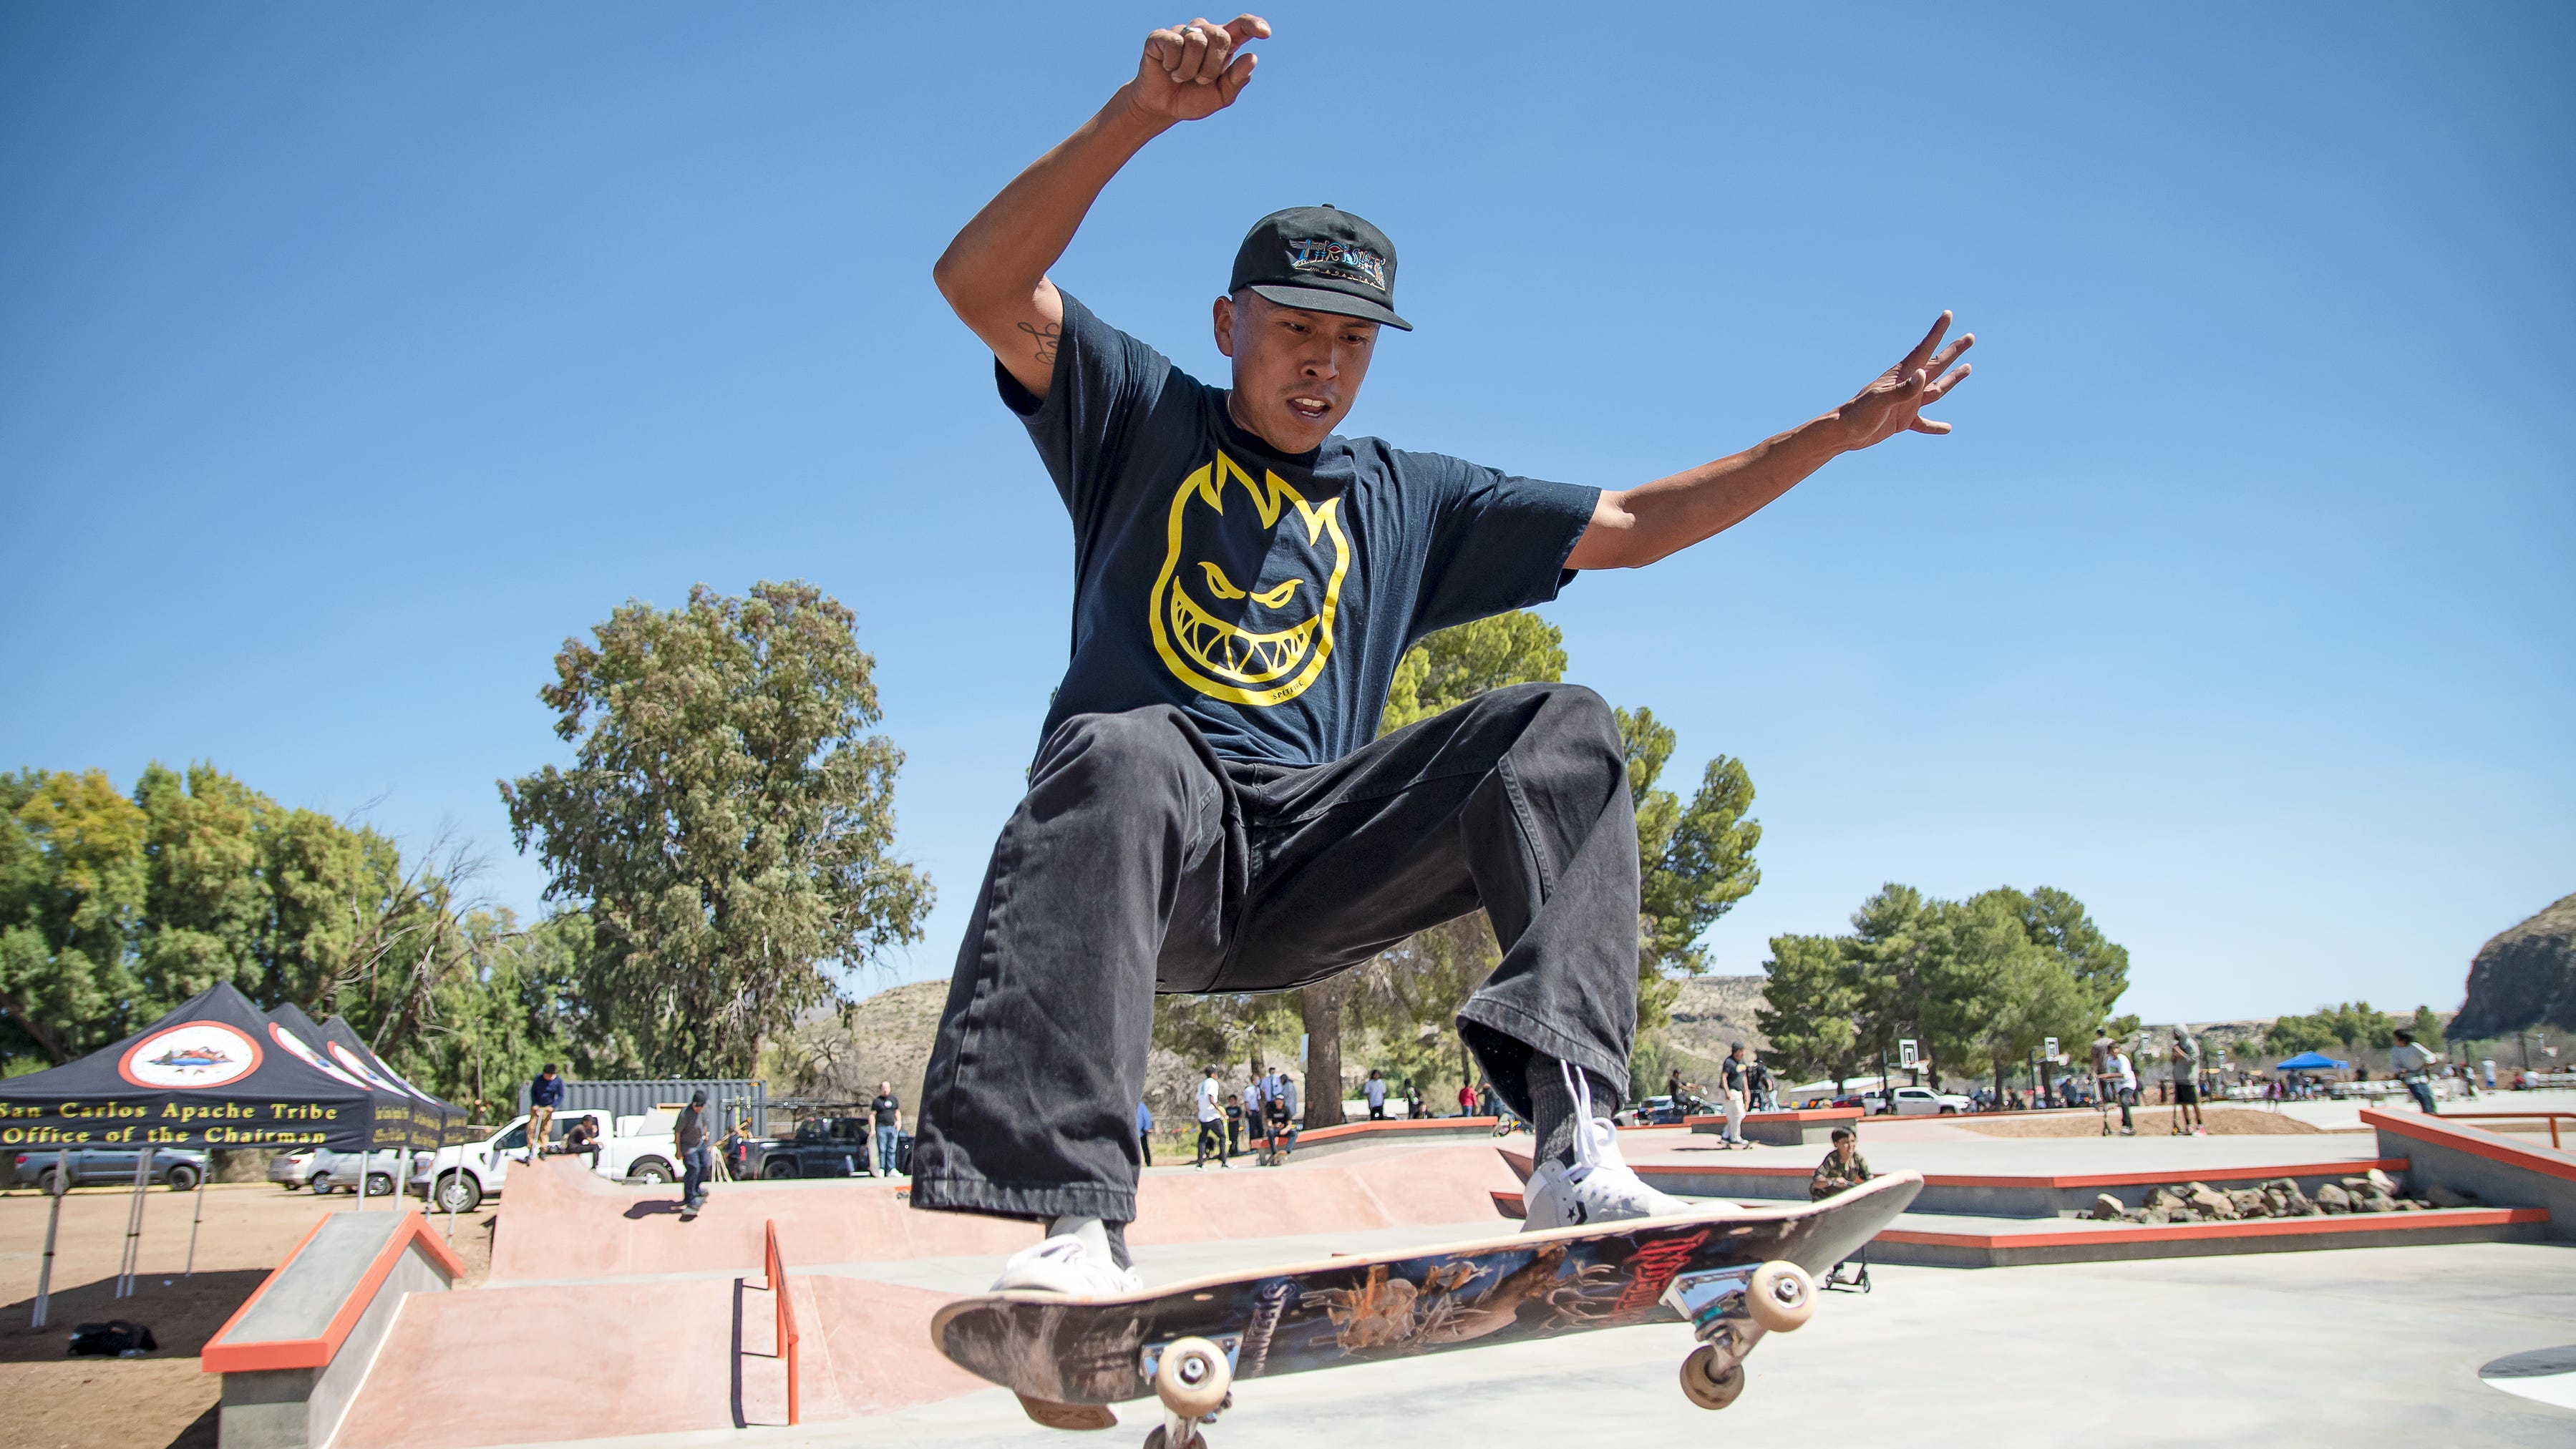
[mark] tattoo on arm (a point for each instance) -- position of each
(1048, 338)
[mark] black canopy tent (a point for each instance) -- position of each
(437, 1123)
(209, 1074)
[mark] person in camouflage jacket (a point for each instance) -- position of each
(1842, 1169)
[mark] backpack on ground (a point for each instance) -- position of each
(116, 1338)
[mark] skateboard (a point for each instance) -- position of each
(1733, 1273)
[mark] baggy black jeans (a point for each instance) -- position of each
(1141, 862)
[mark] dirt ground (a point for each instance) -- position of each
(2152, 1121)
(163, 1398)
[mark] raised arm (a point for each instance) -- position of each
(1637, 526)
(994, 273)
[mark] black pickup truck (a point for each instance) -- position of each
(837, 1142)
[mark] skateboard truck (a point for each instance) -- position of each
(1729, 1311)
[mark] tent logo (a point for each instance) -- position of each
(296, 1048)
(349, 1060)
(196, 1054)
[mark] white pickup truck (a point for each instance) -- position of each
(637, 1149)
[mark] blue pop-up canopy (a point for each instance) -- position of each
(2311, 1062)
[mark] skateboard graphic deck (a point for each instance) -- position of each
(1734, 1272)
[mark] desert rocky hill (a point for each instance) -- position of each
(2523, 978)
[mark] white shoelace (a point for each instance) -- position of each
(1594, 1142)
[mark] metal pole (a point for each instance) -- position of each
(134, 1226)
(366, 1163)
(199, 1221)
(53, 1220)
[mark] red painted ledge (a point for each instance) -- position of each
(2355, 1168)
(2475, 1141)
(1396, 1126)
(2249, 1228)
(222, 1357)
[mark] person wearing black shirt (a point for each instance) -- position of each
(888, 1113)
(1211, 807)
(697, 1164)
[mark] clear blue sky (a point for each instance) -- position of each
(352, 357)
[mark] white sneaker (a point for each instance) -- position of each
(1069, 1265)
(1599, 1187)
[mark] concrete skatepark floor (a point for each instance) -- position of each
(2297, 1348)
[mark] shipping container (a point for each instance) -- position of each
(726, 1100)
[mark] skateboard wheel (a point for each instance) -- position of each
(1780, 1296)
(1193, 1378)
(1707, 1389)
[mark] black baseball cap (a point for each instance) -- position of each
(1320, 259)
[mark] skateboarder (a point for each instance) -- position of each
(2413, 1065)
(1210, 808)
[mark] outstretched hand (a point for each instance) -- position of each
(1196, 68)
(1894, 403)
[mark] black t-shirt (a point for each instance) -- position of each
(889, 1111)
(1267, 596)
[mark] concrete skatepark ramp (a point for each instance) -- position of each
(604, 1316)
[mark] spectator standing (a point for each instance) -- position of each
(1757, 1084)
(697, 1164)
(1732, 1085)
(1145, 1132)
(1375, 1091)
(1233, 1124)
(2412, 1061)
(888, 1111)
(545, 1094)
(2186, 1085)
(1211, 1119)
(1413, 1101)
(1466, 1099)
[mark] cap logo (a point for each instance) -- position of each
(1338, 259)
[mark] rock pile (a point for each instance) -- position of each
(2198, 1202)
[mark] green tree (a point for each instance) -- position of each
(208, 907)
(1453, 666)
(1991, 991)
(2058, 922)
(1695, 861)
(1881, 956)
(1811, 1008)
(726, 823)
(72, 887)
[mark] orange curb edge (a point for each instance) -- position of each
(287, 1353)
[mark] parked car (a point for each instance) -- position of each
(822, 1147)
(291, 1170)
(1917, 1102)
(631, 1149)
(338, 1171)
(181, 1167)
(1656, 1112)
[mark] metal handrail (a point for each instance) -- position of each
(776, 1267)
(2552, 1116)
